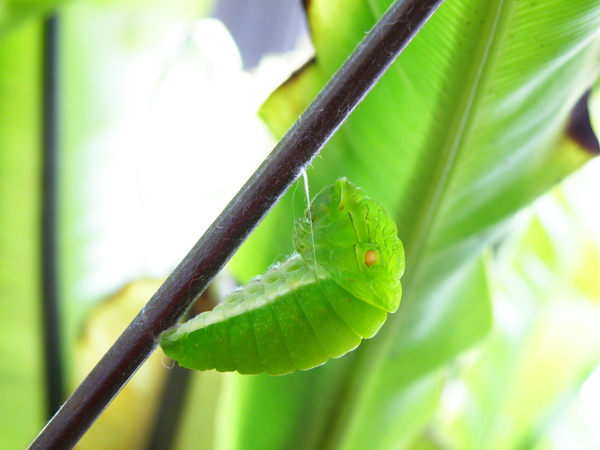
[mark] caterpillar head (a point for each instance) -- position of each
(356, 242)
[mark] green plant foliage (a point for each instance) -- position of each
(525, 380)
(466, 128)
(15, 12)
(21, 374)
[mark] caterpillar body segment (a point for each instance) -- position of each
(277, 330)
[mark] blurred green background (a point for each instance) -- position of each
(468, 141)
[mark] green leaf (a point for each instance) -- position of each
(15, 12)
(21, 389)
(514, 392)
(466, 128)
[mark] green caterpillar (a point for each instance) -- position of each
(318, 304)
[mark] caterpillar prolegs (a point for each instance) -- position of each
(336, 290)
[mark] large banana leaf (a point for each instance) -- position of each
(523, 387)
(466, 128)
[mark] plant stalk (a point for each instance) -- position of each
(53, 357)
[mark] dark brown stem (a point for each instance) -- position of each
(298, 147)
(53, 358)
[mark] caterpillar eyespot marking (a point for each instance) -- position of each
(316, 305)
(371, 257)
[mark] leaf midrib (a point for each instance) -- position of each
(365, 377)
(468, 105)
